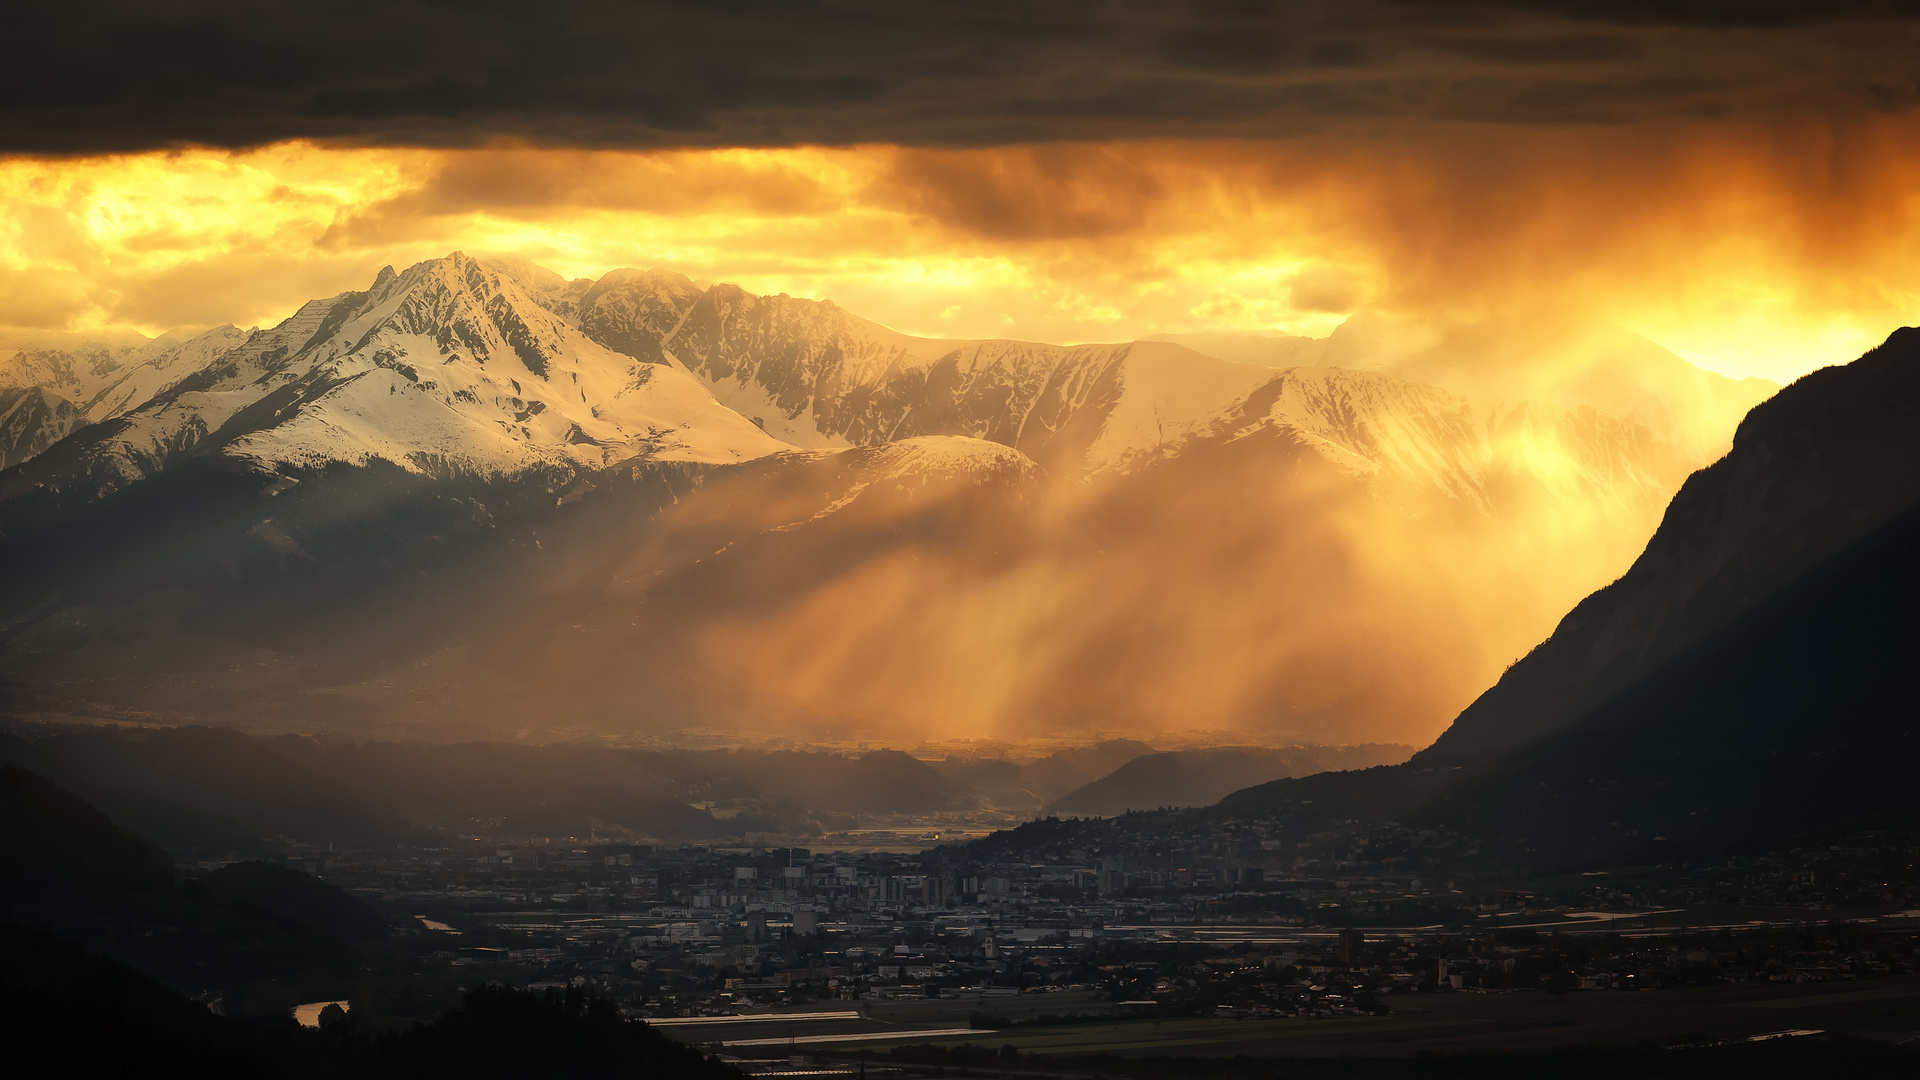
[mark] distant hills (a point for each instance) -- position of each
(1750, 677)
(1202, 777)
(208, 793)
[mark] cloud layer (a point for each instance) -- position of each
(1758, 248)
(116, 75)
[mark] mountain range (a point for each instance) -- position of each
(478, 499)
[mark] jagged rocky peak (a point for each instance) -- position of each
(546, 288)
(461, 303)
(634, 311)
(815, 375)
(32, 419)
(70, 372)
(451, 360)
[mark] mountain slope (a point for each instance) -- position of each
(54, 838)
(346, 487)
(237, 932)
(1750, 676)
(667, 625)
(815, 375)
(818, 376)
(1810, 473)
(32, 419)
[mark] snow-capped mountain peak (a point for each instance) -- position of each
(448, 366)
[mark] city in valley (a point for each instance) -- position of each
(1084, 937)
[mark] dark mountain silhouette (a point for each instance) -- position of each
(501, 1032)
(1201, 777)
(71, 872)
(197, 789)
(1812, 471)
(69, 1013)
(294, 897)
(52, 836)
(1751, 676)
(1064, 770)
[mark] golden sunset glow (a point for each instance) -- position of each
(1765, 252)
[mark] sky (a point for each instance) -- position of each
(1739, 182)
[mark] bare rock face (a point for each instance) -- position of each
(1824, 463)
(633, 311)
(32, 419)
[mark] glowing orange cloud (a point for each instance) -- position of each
(1754, 250)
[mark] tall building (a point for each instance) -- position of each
(1349, 945)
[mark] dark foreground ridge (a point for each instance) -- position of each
(73, 1014)
(245, 932)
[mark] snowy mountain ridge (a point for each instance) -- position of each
(446, 367)
(497, 366)
(814, 375)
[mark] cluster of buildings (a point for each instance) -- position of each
(1172, 914)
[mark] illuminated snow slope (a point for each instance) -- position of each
(447, 367)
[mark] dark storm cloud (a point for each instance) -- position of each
(98, 75)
